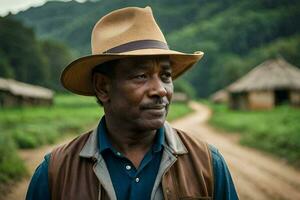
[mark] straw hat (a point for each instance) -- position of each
(127, 32)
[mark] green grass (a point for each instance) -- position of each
(276, 131)
(31, 127)
(178, 110)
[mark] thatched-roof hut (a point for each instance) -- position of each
(221, 96)
(271, 83)
(15, 93)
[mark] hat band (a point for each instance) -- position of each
(139, 44)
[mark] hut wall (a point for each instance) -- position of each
(2, 96)
(7, 99)
(261, 100)
(29, 101)
(295, 98)
(238, 101)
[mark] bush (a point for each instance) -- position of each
(24, 140)
(11, 166)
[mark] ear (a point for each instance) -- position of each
(101, 84)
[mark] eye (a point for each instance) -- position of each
(140, 76)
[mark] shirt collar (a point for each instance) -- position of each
(172, 143)
(104, 142)
(159, 140)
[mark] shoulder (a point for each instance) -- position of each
(217, 157)
(191, 141)
(75, 144)
(223, 184)
(219, 164)
(38, 187)
(67, 152)
(185, 136)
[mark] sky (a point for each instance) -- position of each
(15, 6)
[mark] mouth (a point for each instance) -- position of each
(154, 107)
(157, 110)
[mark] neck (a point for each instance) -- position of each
(127, 140)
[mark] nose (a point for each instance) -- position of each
(157, 87)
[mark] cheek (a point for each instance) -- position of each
(132, 96)
(170, 90)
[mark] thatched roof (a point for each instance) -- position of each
(270, 75)
(25, 90)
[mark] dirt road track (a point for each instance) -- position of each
(256, 176)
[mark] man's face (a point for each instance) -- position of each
(140, 92)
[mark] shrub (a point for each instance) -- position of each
(11, 166)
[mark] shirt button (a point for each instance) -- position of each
(137, 180)
(128, 167)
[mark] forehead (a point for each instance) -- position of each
(144, 62)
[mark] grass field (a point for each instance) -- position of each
(276, 131)
(31, 127)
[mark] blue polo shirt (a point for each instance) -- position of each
(130, 182)
(135, 182)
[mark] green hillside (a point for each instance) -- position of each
(25, 58)
(235, 35)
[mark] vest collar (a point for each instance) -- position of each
(173, 142)
(90, 148)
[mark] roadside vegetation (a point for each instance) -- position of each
(31, 127)
(276, 131)
(178, 110)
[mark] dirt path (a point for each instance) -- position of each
(256, 175)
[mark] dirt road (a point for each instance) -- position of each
(256, 175)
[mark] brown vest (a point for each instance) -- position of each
(72, 177)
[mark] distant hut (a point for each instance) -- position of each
(180, 97)
(15, 93)
(271, 83)
(221, 96)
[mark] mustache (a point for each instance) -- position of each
(156, 104)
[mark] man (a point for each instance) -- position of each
(133, 153)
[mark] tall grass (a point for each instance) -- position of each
(11, 166)
(276, 131)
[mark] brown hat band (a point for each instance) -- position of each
(139, 44)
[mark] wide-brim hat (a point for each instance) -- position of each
(123, 33)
